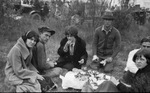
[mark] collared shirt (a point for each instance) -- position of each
(103, 29)
(71, 47)
(106, 45)
(73, 44)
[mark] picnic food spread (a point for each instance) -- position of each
(77, 78)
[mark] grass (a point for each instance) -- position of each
(12, 30)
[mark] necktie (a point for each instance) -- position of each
(71, 49)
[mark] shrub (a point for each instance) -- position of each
(121, 22)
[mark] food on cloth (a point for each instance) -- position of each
(77, 78)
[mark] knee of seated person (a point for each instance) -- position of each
(107, 82)
(68, 66)
(108, 70)
(57, 71)
(107, 86)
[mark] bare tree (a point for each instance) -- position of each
(1, 12)
(124, 3)
(110, 3)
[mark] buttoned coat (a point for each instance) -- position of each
(79, 53)
(19, 69)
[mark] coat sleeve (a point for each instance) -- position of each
(95, 42)
(41, 57)
(124, 88)
(61, 48)
(84, 52)
(18, 68)
(117, 44)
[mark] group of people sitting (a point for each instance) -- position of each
(28, 69)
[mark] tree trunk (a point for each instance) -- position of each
(93, 13)
(1, 12)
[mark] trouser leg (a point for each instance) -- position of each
(107, 86)
(109, 67)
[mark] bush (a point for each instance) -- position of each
(121, 22)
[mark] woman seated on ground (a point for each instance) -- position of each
(72, 50)
(19, 70)
(141, 80)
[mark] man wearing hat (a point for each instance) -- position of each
(106, 44)
(72, 50)
(44, 66)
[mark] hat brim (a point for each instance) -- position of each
(108, 18)
(47, 30)
(51, 31)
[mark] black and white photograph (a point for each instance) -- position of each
(74, 46)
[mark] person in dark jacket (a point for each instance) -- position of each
(131, 68)
(45, 67)
(39, 53)
(72, 50)
(141, 80)
(106, 44)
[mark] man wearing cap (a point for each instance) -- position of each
(45, 67)
(106, 44)
(72, 50)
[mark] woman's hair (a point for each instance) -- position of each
(142, 52)
(29, 35)
(72, 30)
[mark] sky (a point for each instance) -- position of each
(143, 3)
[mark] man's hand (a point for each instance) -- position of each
(84, 68)
(66, 45)
(114, 80)
(95, 58)
(103, 62)
(69, 42)
(48, 59)
(109, 59)
(40, 77)
(81, 61)
(51, 63)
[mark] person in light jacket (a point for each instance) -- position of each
(19, 71)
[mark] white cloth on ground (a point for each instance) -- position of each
(71, 81)
(77, 78)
